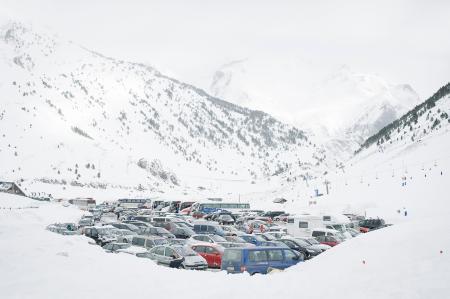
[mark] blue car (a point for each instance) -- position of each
(258, 259)
(259, 241)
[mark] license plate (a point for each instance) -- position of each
(231, 269)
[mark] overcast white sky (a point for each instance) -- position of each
(403, 41)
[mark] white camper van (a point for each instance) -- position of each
(303, 225)
(337, 222)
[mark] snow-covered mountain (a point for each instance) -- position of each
(342, 109)
(427, 120)
(73, 117)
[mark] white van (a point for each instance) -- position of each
(303, 225)
(337, 222)
(324, 232)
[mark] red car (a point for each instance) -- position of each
(211, 252)
(328, 240)
(363, 230)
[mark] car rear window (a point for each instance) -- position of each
(232, 255)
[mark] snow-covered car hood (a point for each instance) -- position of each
(320, 247)
(194, 260)
(133, 250)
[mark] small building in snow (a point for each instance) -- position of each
(11, 188)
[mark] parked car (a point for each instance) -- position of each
(266, 236)
(208, 228)
(233, 245)
(254, 239)
(371, 224)
(301, 246)
(225, 219)
(177, 241)
(258, 259)
(143, 218)
(273, 214)
(180, 232)
(231, 230)
(141, 224)
(86, 221)
(257, 226)
(165, 255)
(133, 250)
(127, 226)
(314, 243)
(353, 232)
(192, 260)
(328, 240)
(281, 218)
(148, 241)
(212, 253)
(100, 234)
(238, 240)
(115, 246)
(157, 231)
(276, 235)
(207, 238)
(63, 228)
(124, 235)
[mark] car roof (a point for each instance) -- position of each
(327, 230)
(151, 237)
(257, 248)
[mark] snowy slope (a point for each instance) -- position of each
(72, 117)
(428, 119)
(341, 109)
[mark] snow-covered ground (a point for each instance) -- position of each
(407, 260)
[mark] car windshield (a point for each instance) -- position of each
(218, 238)
(182, 224)
(312, 241)
(238, 239)
(339, 227)
(161, 230)
(185, 251)
(270, 237)
(302, 243)
(160, 241)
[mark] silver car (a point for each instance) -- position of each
(178, 256)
